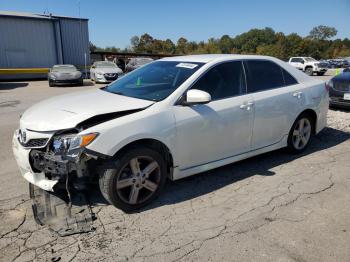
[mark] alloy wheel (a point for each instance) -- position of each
(138, 180)
(301, 133)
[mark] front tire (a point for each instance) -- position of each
(51, 84)
(309, 71)
(136, 178)
(300, 134)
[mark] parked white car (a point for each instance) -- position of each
(309, 65)
(172, 118)
(104, 72)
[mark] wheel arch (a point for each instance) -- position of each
(313, 115)
(309, 66)
(152, 143)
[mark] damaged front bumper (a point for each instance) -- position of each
(63, 211)
(49, 170)
(22, 158)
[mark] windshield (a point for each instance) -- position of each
(310, 59)
(64, 68)
(154, 81)
(105, 64)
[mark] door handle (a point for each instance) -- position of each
(297, 94)
(246, 106)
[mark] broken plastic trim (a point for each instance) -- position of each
(98, 119)
(61, 215)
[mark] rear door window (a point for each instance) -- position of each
(288, 78)
(263, 75)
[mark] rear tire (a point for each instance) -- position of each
(136, 178)
(309, 71)
(300, 134)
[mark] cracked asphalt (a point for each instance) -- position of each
(274, 207)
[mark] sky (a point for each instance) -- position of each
(114, 22)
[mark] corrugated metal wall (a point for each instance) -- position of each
(75, 41)
(26, 43)
(42, 43)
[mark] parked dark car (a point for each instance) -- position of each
(64, 74)
(339, 89)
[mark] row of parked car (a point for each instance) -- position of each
(100, 72)
(311, 66)
(337, 63)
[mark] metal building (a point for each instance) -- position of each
(30, 43)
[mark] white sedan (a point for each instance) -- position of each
(172, 118)
(104, 72)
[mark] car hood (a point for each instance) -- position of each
(343, 77)
(67, 111)
(65, 75)
(109, 70)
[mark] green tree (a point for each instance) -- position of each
(181, 45)
(225, 44)
(322, 32)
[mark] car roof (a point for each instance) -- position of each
(212, 57)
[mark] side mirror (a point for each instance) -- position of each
(195, 97)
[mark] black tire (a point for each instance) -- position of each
(291, 146)
(109, 177)
(81, 82)
(51, 84)
(309, 71)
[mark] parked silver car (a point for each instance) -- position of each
(64, 74)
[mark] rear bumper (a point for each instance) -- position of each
(337, 101)
(22, 158)
(337, 97)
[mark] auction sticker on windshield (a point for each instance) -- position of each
(187, 65)
(347, 96)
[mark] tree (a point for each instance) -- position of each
(135, 41)
(256, 41)
(225, 44)
(181, 45)
(92, 47)
(322, 32)
(168, 47)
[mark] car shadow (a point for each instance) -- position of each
(12, 85)
(204, 183)
(340, 109)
